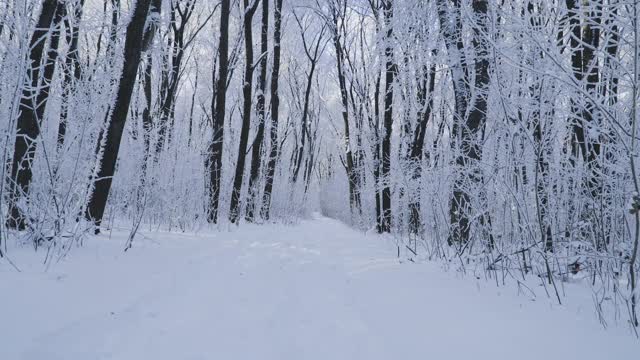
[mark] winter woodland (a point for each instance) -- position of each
(498, 137)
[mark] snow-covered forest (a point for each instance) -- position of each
(496, 138)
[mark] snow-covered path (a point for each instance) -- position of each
(314, 291)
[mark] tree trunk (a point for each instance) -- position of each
(147, 120)
(425, 94)
(256, 149)
(247, 87)
(451, 27)
(467, 130)
(275, 105)
(584, 43)
(147, 81)
(105, 168)
(385, 225)
(540, 137)
(72, 67)
(170, 90)
(376, 153)
(342, 82)
(32, 106)
(218, 111)
(313, 55)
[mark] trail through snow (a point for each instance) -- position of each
(317, 290)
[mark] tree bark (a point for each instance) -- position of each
(584, 43)
(218, 109)
(32, 106)
(348, 162)
(376, 153)
(425, 94)
(177, 48)
(73, 71)
(247, 88)
(385, 173)
(313, 55)
(147, 81)
(468, 129)
(275, 106)
(256, 148)
(106, 165)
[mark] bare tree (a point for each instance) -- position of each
(313, 50)
(470, 117)
(32, 105)
(247, 91)
(275, 108)
(106, 164)
(181, 13)
(337, 12)
(73, 71)
(385, 224)
(256, 147)
(218, 110)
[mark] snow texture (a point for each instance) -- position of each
(317, 290)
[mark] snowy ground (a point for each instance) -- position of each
(314, 291)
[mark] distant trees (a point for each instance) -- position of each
(337, 13)
(181, 13)
(313, 49)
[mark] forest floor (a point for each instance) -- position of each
(317, 290)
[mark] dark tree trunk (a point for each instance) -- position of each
(113, 30)
(585, 41)
(313, 55)
(472, 133)
(107, 162)
(425, 95)
(304, 133)
(32, 106)
(376, 154)
(385, 225)
(451, 26)
(218, 110)
(256, 148)
(110, 55)
(374, 123)
(540, 138)
(247, 87)
(467, 130)
(73, 71)
(542, 172)
(192, 108)
(177, 48)
(147, 81)
(348, 162)
(147, 120)
(612, 51)
(275, 105)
